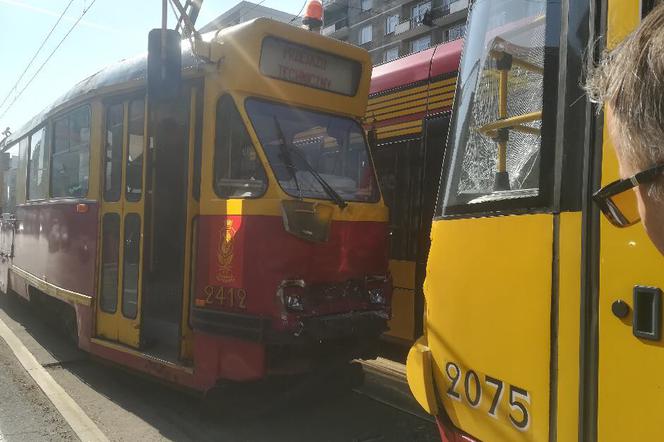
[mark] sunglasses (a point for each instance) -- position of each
(618, 202)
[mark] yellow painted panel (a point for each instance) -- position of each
(420, 376)
(403, 273)
(488, 298)
(402, 323)
(630, 386)
(569, 302)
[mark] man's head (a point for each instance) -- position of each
(630, 82)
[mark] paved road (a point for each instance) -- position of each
(128, 407)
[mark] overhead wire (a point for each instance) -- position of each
(85, 11)
(304, 5)
(34, 57)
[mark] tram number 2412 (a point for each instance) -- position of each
(470, 386)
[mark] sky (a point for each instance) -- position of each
(110, 31)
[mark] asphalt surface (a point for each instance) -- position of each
(128, 407)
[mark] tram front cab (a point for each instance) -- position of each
(521, 339)
(291, 249)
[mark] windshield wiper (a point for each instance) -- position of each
(333, 194)
(286, 155)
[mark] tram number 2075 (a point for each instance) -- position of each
(473, 390)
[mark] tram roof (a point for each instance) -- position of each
(438, 60)
(132, 70)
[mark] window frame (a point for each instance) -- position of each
(387, 23)
(62, 116)
(412, 43)
(363, 9)
(253, 143)
(385, 59)
(362, 29)
(543, 202)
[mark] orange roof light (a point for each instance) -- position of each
(313, 16)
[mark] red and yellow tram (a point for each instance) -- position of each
(233, 233)
(409, 111)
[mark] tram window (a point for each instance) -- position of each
(113, 158)
(134, 186)
(131, 265)
(238, 172)
(110, 253)
(37, 166)
(198, 145)
(306, 147)
(493, 162)
(70, 160)
(9, 177)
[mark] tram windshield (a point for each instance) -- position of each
(495, 137)
(314, 155)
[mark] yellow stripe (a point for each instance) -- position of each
(52, 289)
(401, 93)
(131, 351)
(407, 124)
(415, 130)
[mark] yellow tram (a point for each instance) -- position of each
(520, 341)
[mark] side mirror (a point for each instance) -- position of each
(164, 64)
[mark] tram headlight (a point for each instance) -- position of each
(294, 302)
(377, 296)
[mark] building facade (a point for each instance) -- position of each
(245, 11)
(390, 29)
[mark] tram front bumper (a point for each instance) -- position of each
(419, 372)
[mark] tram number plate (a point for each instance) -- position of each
(225, 297)
(473, 388)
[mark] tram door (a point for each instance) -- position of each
(122, 215)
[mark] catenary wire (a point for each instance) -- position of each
(34, 57)
(85, 11)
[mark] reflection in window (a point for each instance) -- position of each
(238, 172)
(306, 147)
(10, 167)
(110, 253)
(131, 265)
(113, 160)
(70, 164)
(37, 166)
(135, 150)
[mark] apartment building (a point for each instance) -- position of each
(390, 29)
(245, 11)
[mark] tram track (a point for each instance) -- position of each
(385, 382)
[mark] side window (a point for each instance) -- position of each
(238, 172)
(113, 158)
(134, 180)
(70, 161)
(9, 169)
(38, 166)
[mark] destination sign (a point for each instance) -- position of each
(309, 67)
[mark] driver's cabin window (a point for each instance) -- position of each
(238, 172)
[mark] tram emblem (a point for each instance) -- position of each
(225, 252)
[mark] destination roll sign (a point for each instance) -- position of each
(303, 65)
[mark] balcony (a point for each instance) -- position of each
(451, 13)
(335, 5)
(338, 29)
(411, 27)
